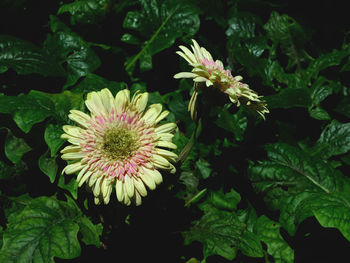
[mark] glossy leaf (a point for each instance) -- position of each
(44, 229)
(85, 11)
(269, 233)
(160, 23)
(334, 140)
(52, 136)
(26, 58)
(48, 166)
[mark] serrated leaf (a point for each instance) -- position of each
(160, 23)
(221, 232)
(44, 229)
(333, 58)
(85, 11)
(48, 166)
(26, 58)
(15, 147)
(269, 232)
(334, 140)
(290, 171)
(91, 233)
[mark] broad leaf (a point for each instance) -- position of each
(53, 139)
(26, 110)
(160, 22)
(269, 232)
(85, 11)
(289, 98)
(48, 166)
(26, 58)
(67, 47)
(222, 232)
(15, 147)
(44, 229)
(334, 140)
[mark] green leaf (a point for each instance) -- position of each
(68, 183)
(333, 58)
(26, 110)
(228, 201)
(160, 23)
(334, 211)
(91, 233)
(26, 58)
(319, 114)
(295, 182)
(235, 123)
(204, 168)
(53, 139)
(93, 82)
(289, 98)
(48, 166)
(343, 107)
(8, 172)
(85, 11)
(44, 229)
(284, 30)
(290, 171)
(269, 232)
(334, 140)
(223, 234)
(15, 147)
(67, 47)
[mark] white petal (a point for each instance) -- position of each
(71, 148)
(81, 173)
(107, 99)
(140, 187)
(197, 50)
(160, 161)
(122, 100)
(156, 175)
(166, 144)
(79, 117)
(73, 156)
(200, 79)
(93, 179)
(141, 102)
(127, 199)
(73, 168)
(165, 153)
(129, 186)
(185, 75)
(162, 116)
(148, 179)
(138, 199)
(165, 136)
(119, 190)
(94, 104)
(84, 178)
(72, 140)
(73, 130)
(152, 113)
(165, 128)
(97, 186)
(188, 55)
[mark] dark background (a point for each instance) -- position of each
(154, 232)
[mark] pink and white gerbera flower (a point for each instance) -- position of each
(212, 73)
(120, 144)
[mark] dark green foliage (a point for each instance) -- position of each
(245, 188)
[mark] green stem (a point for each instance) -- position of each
(133, 61)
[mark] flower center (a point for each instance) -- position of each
(119, 143)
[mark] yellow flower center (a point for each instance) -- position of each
(119, 143)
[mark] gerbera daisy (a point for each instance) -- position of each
(120, 144)
(211, 73)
